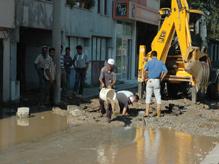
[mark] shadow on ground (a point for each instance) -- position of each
(127, 120)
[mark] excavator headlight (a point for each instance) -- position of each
(164, 11)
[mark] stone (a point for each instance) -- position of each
(72, 107)
(74, 110)
(59, 111)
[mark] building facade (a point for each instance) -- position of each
(7, 49)
(136, 24)
(108, 29)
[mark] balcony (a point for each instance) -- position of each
(138, 10)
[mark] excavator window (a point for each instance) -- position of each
(195, 29)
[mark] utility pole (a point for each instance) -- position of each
(58, 6)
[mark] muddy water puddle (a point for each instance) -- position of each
(14, 131)
(96, 144)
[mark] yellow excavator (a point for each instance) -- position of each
(181, 44)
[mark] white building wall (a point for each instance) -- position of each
(7, 13)
(89, 26)
(83, 23)
(34, 13)
(133, 52)
(7, 23)
(153, 4)
(6, 69)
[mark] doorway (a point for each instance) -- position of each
(1, 69)
(145, 35)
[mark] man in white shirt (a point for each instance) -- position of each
(52, 73)
(42, 65)
(80, 63)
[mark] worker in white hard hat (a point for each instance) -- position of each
(107, 80)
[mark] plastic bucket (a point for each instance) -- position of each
(107, 94)
(23, 112)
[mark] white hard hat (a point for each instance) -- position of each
(111, 61)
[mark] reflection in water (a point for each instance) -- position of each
(14, 130)
(22, 121)
(165, 146)
(102, 154)
(98, 144)
(139, 139)
(184, 145)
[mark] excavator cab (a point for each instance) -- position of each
(198, 29)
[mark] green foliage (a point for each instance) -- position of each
(204, 4)
(211, 9)
(87, 4)
(71, 3)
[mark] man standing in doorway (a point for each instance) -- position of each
(67, 65)
(107, 80)
(63, 73)
(52, 70)
(155, 71)
(80, 63)
(42, 64)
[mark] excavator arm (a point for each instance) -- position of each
(163, 39)
(186, 64)
(177, 21)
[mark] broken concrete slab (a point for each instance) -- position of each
(74, 110)
(59, 111)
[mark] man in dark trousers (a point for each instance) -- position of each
(42, 64)
(67, 65)
(125, 98)
(80, 63)
(52, 70)
(107, 80)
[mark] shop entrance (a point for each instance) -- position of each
(1, 69)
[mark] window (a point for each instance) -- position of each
(217, 52)
(105, 7)
(84, 42)
(99, 49)
(98, 6)
(102, 7)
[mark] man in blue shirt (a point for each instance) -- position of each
(156, 71)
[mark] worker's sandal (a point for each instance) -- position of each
(158, 111)
(147, 110)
